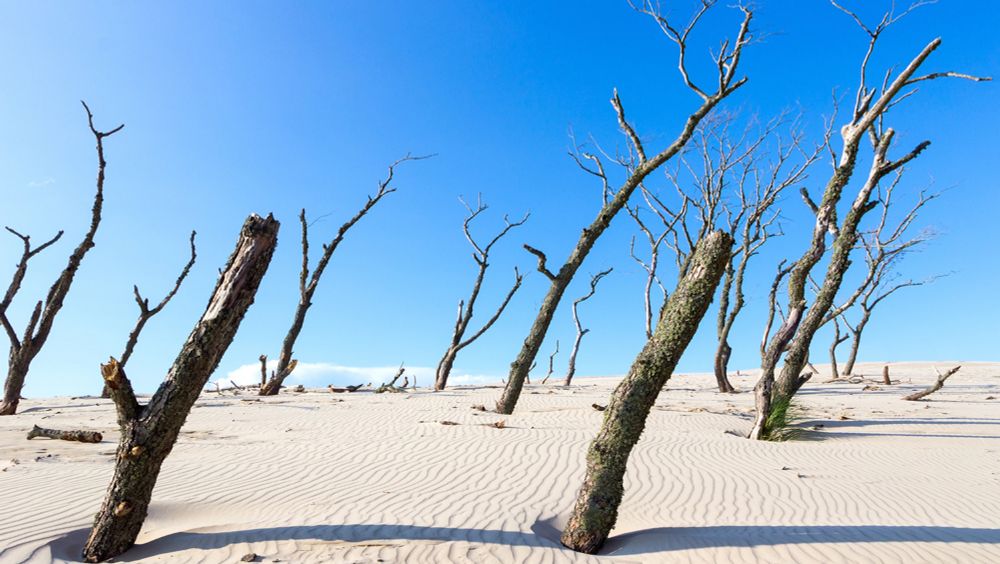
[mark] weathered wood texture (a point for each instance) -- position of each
(596, 507)
(148, 433)
(75, 435)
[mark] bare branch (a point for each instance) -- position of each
(541, 261)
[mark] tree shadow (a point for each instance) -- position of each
(667, 539)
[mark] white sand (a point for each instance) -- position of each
(309, 478)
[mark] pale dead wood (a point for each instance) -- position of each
(580, 330)
(481, 256)
(937, 385)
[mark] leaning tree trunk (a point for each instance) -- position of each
(855, 344)
(722, 354)
(597, 503)
(148, 433)
(444, 367)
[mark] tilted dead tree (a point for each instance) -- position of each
(752, 218)
(481, 255)
(145, 312)
(308, 282)
(884, 248)
(24, 348)
(148, 432)
(552, 363)
(639, 166)
(794, 338)
(596, 508)
(580, 331)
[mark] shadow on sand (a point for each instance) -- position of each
(546, 535)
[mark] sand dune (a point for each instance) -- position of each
(320, 477)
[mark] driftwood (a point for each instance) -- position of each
(347, 389)
(885, 375)
(79, 436)
(391, 386)
(934, 387)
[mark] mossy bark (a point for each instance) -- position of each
(596, 508)
(148, 433)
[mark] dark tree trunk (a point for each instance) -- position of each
(596, 508)
(722, 367)
(148, 433)
(444, 368)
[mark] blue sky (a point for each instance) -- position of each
(232, 108)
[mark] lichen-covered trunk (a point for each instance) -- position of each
(149, 436)
(444, 368)
(596, 507)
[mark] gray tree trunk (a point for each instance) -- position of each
(596, 507)
(855, 344)
(148, 433)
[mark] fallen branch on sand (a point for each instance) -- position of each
(79, 436)
(391, 386)
(934, 387)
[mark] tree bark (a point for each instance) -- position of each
(885, 376)
(148, 433)
(79, 436)
(722, 354)
(855, 344)
(596, 508)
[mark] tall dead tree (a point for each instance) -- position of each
(481, 255)
(24, 347)
(596, 508)
(884, 247)
(639, 166)
(148, 432)
(580, 331)
(308, 282)
(145, 312)
(793, 339)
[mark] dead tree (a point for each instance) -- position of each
(481, 255)
(145, 312)
(308, 282)
(78, 436)
(148, 432)
(753, 224)
(25, 347)
(884, 247)
(552, 363)
(580, 331)
(838, 340)
(639, 166)
(793, 340)
(596, 508)
(937, 385)
(391, 385)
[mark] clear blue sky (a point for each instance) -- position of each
(239, 107)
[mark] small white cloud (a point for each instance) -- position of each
(42, 183)
(323, 373)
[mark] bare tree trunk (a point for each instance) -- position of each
(722, 353)
(466, 309)
(596, 508)
(728, 63)
(24, 349)
(885, 375)
(580, 331)
(855, 344)
(148, 433)
(308, 283)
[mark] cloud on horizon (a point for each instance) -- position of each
(323, 373)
